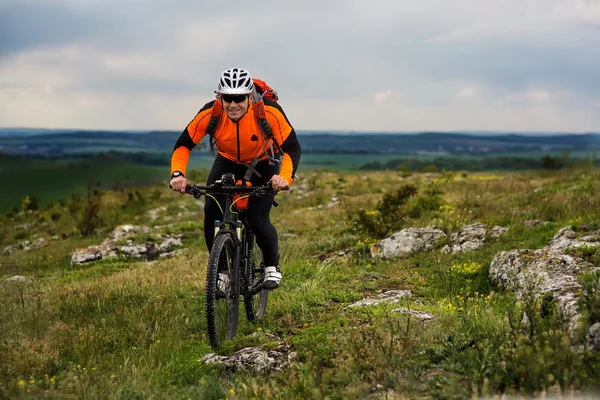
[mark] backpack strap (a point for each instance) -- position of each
(251, 169)
(261, 118)
(215, 117)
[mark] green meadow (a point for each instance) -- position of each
(52, 180)
(129, 329)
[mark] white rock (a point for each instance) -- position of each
(422, 315)
(391, 296)
(19, 278)
(407, 241)
(254, 359)
(547, 270)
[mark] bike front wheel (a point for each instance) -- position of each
(222, 298)
(255, 300)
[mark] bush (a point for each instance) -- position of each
(86, 215)
(29, 203)
(531, 351)
(388, 214)
(589, 303)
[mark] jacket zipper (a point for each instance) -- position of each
(237, 131)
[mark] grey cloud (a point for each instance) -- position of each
(309, 50)
(115, 24)
(516, 65)
(26, 25)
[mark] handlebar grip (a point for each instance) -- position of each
(187, 188)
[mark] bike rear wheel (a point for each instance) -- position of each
(222, 300)
(255, 302)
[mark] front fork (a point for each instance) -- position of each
(234, 280)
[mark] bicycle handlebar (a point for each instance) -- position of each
(198, 190)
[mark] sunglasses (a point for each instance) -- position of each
(238, 98)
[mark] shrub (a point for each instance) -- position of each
(430, 199)
(389, 213)
(29, 203)
(589, 303)
(86, 215)
(531, 352)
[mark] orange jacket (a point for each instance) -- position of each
(240, 141)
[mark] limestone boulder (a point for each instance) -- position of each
(390, 296)
(256, 360)
(472, 237)
(407, 241)
(121, 243)
(548, 270)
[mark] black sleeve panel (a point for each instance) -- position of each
(207, 106)
(291, 147)
(184, 140)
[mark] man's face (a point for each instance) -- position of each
(235, 105)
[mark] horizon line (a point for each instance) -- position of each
(332, 131)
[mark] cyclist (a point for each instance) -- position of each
(245, 150)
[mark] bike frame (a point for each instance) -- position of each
(231, 225)
(234, 229)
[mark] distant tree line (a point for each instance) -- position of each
(142, 158)
(479, 164)
(139, 158)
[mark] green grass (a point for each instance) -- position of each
(136, 329)
(48, 181)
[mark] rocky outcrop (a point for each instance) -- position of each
(593, 337)
(121, 244)
(20, 278)
(471, 237)
(567, 238)
(407, 241)
(421, 315)
(548, 270)
(257, 359)
(411, 240)
(25, 245)
(537, 272)
(391, 296)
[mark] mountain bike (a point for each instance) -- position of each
(235, 265)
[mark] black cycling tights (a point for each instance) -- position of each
(258, 207)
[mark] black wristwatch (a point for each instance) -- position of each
(176, 174)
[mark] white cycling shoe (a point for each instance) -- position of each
(272, 277)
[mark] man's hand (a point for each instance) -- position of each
(178, 184)
(278, 183)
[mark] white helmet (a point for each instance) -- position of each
(235, 81)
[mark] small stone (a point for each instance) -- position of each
(254, 359)
(391, 296)
(20, 278)
(422, 315)
(593, 337)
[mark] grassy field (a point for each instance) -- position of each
(315, 161)
(129, 329)
(49, 181)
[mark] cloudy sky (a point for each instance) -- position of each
(378, 65)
